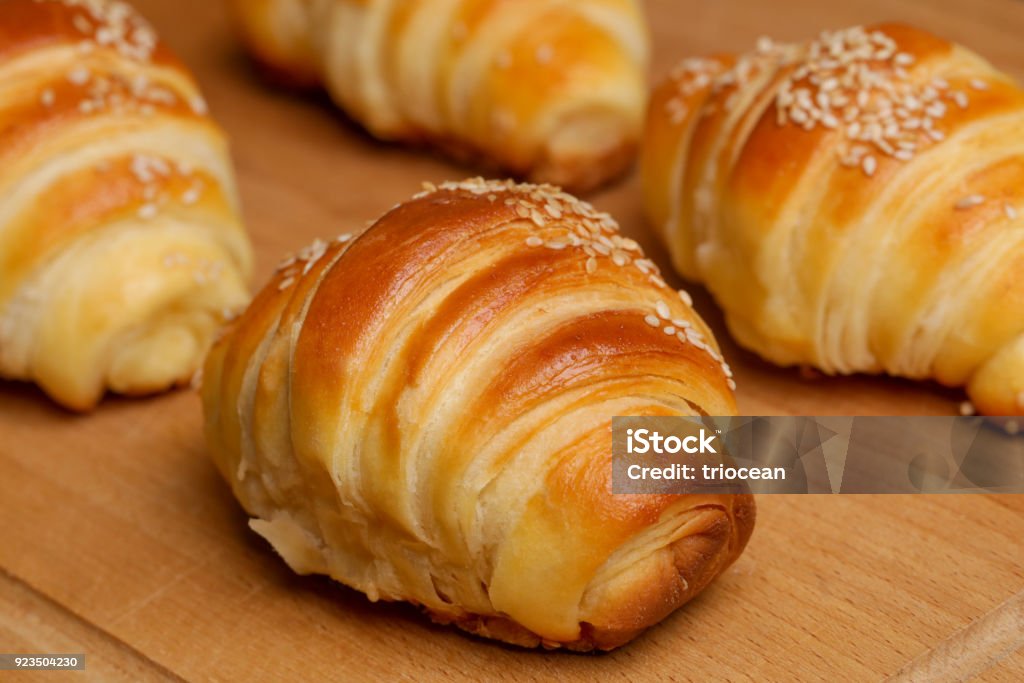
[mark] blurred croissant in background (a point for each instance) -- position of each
(853, 203)
(121, 249)
(551, 91)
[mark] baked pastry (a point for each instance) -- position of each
(424, 412)
(121, 249)
(551, 91)
(853, 203)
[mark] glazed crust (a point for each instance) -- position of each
(423, 413)
(852, 227)
(553, 92)
(121, 249)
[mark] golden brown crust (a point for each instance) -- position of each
(856, 214)
(553, 93)
(122, 248)
(423, 412)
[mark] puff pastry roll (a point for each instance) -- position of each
(853, 203)
(552, 91)
(423, 412)
(121, 249)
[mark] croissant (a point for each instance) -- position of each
(423, 412)
(552, 91)
(121, 249)
(853, 203)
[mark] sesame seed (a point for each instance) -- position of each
(534, 241)
(191, 196)
(668, 329)
(285, 284)
(652, 320)
(969, 201)
(731, 383)
(81, 23)
(967, 408)
(78, 76)
(557, 246)
(686, 298)
(48, 97)
(1010, 211)
(663, 310)
(869, 165)
(147, 211)
(978, 84)
(591, 265)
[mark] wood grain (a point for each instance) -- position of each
(119, 539)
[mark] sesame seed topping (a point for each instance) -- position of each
(686, 298)
(668, 329)
(147, 211)
(48, 97)
(856, 82)
(571, 225)
(967, 408)
(1010, 210)
(969, 201)
(285, 283)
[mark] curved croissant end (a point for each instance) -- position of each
(121, 250)
(553, 91)
(423, 413)
(853, 203)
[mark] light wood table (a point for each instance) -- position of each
(119, 540)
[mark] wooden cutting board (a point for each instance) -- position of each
(117, 538)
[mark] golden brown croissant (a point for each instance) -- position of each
(853, 203)
(553, 91)
(424, 414)
(121, 248)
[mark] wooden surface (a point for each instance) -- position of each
(119, 540)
